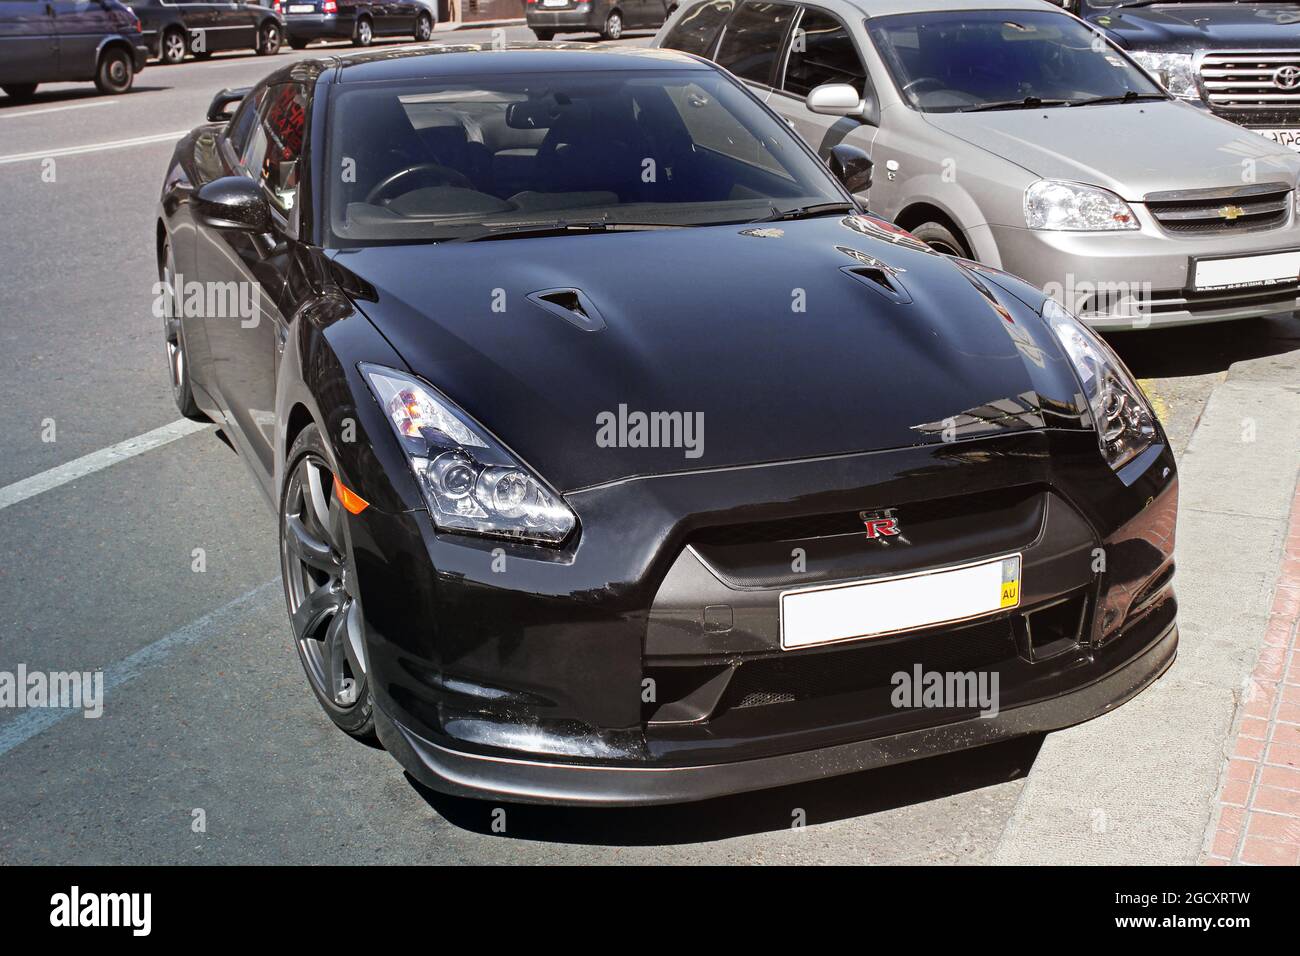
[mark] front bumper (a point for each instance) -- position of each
(519, 673)
(1143, 278)
(318, 26)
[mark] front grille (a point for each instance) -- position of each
(1252, 79)
(822, 673)
(1201, 212)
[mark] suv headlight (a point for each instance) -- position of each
(1124, 421)
(1173, 71)
(1075, 207)
(470, 481)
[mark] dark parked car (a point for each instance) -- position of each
(174, 29)
(357, 20)
(609, 18)
(58, 41)
(511, 549)
(1239, 60)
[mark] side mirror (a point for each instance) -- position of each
(852, 167)
(835, 99)
(233, 202)
(222, 106)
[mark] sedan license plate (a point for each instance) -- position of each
(857, 610)
(302, 8)
(1283, 137)
(1244, 272)
(555, 3)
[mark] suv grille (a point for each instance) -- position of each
(1252, 79)
(1211, 211)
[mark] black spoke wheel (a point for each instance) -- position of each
(178, 366)
(318, 584)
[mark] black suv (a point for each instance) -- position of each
(1240, 60)
(56, 41)
(173, 29)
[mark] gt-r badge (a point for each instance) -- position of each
(880, 523)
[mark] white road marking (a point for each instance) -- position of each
(18, 730)
(57, 109)
(91, 148)
(97, 461)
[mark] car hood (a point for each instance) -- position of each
(1189, 27)
(1129, 148)
(755, 335)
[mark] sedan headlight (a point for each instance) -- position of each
(471, 483)
(1075, 207)
(1173, 71)
(1124, 421)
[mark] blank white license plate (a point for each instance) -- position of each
(555, 3)
(1215, 274)
(1283, 137)
(906, 602)
(301, 8)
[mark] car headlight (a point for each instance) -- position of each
(1075, 207)
(470, 481)
(1173, 71)
(1124, 421)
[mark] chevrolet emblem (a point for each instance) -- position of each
(1231, 213)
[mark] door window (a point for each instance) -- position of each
(752, 41)
(274, 149)
(821, 51)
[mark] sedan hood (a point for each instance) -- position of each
(1146, 147)
(1197, 26)
(755, 341)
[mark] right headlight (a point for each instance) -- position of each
(1173, 71)
(1124, 421)
(471, 483)
(1075, 207)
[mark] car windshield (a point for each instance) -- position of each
(504, 154)
(1003, 59)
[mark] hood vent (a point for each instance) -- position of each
(880, 279)
(572, 305)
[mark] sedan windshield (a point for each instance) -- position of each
(510, 155)
(1004, 59)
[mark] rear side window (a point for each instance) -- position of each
(242, 123)
(275, 146)
(698, 27)
(821, 51)
(752, 41)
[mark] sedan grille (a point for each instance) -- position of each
(1216, 211)
(1252, 79)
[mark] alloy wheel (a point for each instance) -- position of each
(323, 611)
(614, 27)
(364, 33)
(172, 335)
(423, 28)
(173, 47)
(270, 40)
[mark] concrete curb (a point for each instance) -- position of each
(1139, 785)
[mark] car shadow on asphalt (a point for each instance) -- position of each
(763, 811)
(1203, 349)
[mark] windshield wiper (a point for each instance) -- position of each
(807, 212)
(1028, 103)
(557, 227)
(1132, 96)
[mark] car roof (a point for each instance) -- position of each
(884, 8)
(473, 59)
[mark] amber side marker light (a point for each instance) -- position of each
(352, 501)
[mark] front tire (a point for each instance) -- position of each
(269, 40)
(21, 92)
(942, 239)
(364, 33)
(116, 71)
(613, 26)
(172, 46)
(178, 364)
(423, 28)
(318, 570)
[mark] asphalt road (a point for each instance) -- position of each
(208, 709)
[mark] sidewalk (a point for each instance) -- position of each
(1141, 785)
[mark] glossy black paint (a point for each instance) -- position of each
(232, 203)
(851, 166)
(519, 682)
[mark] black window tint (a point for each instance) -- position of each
(821, 51)
(752, 41)
(275, 147)
(242, 123)
(698, 27)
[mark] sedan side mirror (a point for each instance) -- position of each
(852, 167)
(233, 202)
(835, 99)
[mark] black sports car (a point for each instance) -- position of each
(620, 458)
